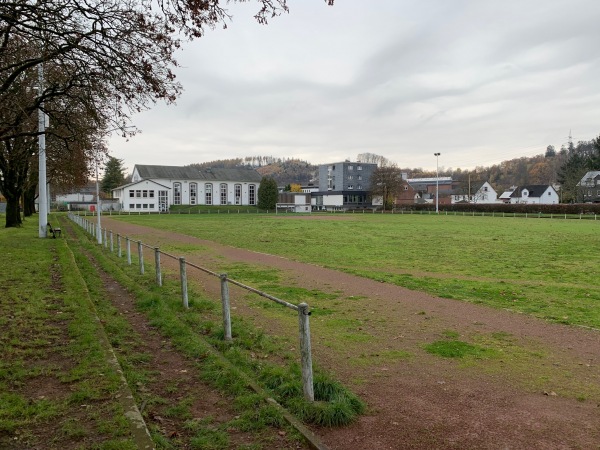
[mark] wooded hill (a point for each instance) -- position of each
(283, 170)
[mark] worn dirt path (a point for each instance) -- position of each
(545, 394)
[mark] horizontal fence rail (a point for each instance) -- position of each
(302, 309)
(339, 210)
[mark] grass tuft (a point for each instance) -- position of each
(458, 349)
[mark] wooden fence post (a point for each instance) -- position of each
(305, 352)
(119, 252)
(105, 240)
(141, 257)
(225, 305)
(184, 292)
(128, 250)
(157, 263)
(112, 242)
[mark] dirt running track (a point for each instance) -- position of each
(423, 401)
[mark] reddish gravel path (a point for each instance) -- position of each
(544, 395)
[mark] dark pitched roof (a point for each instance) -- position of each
(589, 177)
(535, 190)
(418, 186)
(191, 173)
(237, 174)
(167, 172)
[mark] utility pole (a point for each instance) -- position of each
(469, 187)
(437, 182)
(43, 196)
(98, 224)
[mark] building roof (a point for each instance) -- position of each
(138, 182)
(430, 180)
(590, 176)
(535, 190)
(191, 173)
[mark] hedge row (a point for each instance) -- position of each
(561, 208)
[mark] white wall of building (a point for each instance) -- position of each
(148, 195)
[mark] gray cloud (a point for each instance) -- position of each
(477, 81)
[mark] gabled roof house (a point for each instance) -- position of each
(541, 194)
(590, 186)
(155, 188)
(481, 193)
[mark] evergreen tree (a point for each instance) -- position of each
(113, 175)
(570, 174)
(595, 164)
(267, 193)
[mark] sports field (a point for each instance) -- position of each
(548, 268)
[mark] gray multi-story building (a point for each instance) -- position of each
(344, 185)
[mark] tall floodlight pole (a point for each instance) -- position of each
(43, 196)
(437, 182)
(98, 225)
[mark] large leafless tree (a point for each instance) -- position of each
(106, 59)
(386, 182)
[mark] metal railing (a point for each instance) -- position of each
(302, 309)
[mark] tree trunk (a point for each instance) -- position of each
(29, 201)
(13, 215)
(12, 191)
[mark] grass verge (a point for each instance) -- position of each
(56, 386)
(197, 333)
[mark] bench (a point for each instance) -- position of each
(54, 231)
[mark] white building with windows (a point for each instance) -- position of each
(156, 188)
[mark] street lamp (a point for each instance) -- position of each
(98, 226)
(437, 182)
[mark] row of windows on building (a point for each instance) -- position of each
(142, 205)
(332, 167)
(355, 199)
(589, 193)
(349, 187)
(208, 195)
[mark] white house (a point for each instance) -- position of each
(540, 194)
(81, 198)
(156, 188)
(590, 186)
(482, 195)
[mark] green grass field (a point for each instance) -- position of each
(547, 268)
(57, 388)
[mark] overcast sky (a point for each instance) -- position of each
(478, 81)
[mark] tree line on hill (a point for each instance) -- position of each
(565, 167)
(285, 171)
